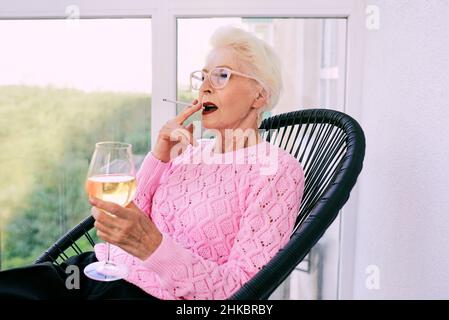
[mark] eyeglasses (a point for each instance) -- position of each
(218, 77)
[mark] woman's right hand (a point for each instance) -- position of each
(173, 132)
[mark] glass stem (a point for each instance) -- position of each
(108, 249)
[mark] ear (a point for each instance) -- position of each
(260, 100)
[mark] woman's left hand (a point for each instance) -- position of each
(128, 228)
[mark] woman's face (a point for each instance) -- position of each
(238, 102)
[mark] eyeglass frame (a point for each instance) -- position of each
(225, 68)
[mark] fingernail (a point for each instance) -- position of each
(94, 212)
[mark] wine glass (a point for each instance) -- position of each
(111, 177)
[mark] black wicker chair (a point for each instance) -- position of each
(330, 145)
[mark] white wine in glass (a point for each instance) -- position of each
(111, 177)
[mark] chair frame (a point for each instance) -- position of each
(331, 151)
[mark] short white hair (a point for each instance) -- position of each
(255, 54)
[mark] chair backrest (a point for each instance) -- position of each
(330, 146)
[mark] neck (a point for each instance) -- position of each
(227, 141)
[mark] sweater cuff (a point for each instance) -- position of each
(167, 259)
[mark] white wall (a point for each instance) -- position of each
(403, 218)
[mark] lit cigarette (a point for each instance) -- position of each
(177, 102)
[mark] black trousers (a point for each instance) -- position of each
(47, 281)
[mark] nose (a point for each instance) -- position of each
(206, 87)
(204, 92)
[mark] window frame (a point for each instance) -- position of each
(164, 15)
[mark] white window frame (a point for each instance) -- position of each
(164, 14)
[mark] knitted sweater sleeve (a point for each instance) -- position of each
(265, 227)
(148, 179)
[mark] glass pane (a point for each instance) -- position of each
(312, 53)
(64, 85)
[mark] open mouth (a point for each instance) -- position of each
(209, 107)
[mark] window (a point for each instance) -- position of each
(64, 85)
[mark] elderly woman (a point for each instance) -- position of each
(208, 215)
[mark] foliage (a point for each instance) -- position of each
(47, 137)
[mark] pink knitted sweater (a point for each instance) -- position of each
(222, 216)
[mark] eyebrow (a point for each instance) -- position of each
(221, 66)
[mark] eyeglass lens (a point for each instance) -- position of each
(218, 78)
